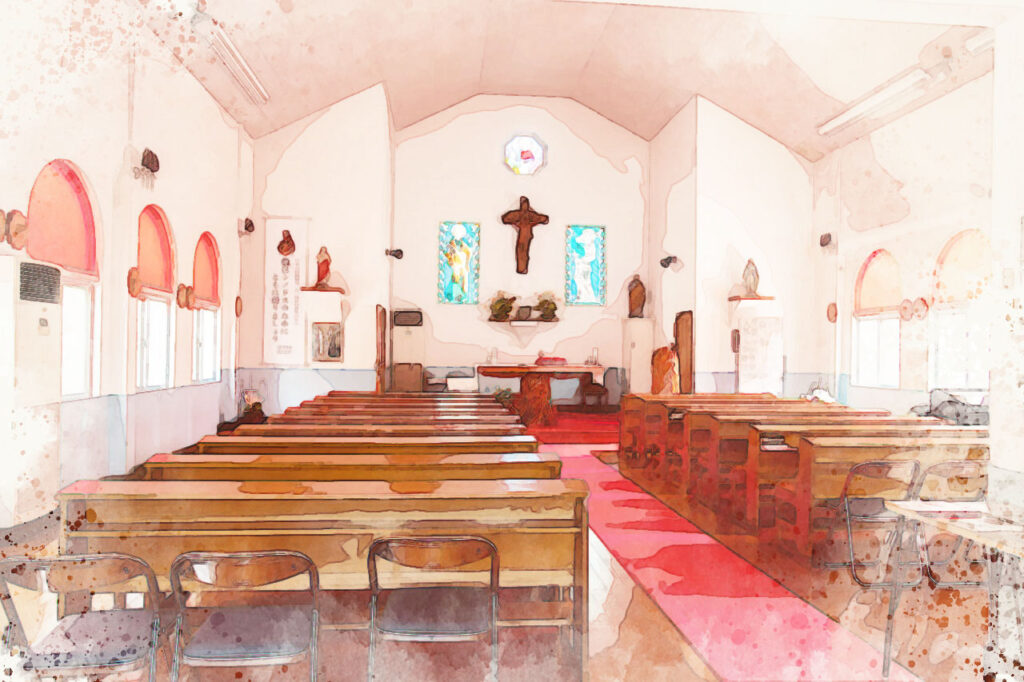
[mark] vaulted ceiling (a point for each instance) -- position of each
(636, 65)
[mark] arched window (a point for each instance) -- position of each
(876, 322)
(61, 228)
(62, 231)
(155, 272)
(156, 251)
(206, 319)
(958, 350)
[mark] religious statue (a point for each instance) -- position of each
(665, 370)
(524, 220)
(323, 268)
(750, 279)
(637, 297)
(286, 246)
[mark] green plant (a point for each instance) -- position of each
(501, 306)
(504, 396)
(547, 305)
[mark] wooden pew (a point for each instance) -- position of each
(407, 394)
(389, 408)
(772, 448)
(464, 402)
(259, 445)
(641, 426)
(168, 467)
(374, 430)
(538, 526)
(701, 436)
(823, 462)
(301, 416)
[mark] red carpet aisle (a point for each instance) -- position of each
(744, 624)
(571, 427)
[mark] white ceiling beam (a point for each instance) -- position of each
(944, 12)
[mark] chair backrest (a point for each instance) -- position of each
(441, 553)
(77, 580)
(962, 480)
(241, 573)
(882, 479)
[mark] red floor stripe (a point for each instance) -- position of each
(744, 624)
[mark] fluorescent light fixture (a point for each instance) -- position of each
(980, 42)
(228, 53)
(892, 97)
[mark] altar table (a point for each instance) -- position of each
(534, 401)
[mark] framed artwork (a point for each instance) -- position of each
(584, 265)
(328, 342)
(458, 263)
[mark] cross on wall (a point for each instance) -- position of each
(523, 219)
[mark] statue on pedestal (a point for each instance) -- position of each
(637, 297)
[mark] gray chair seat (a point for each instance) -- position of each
(865, 509)
(440, 611)
(251, 633)
(94, 639)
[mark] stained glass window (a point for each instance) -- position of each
(584, 265)
(458, 263)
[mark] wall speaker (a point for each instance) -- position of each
(407, 318)
(825, 239)
(150, 161)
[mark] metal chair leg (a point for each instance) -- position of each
(890, 626)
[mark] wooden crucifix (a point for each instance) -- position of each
(524, 220)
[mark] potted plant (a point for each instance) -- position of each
(501, 307)
(547, 306)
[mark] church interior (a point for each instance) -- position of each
(512, 340)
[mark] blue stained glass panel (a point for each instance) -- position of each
(458, 263)
(584, 265)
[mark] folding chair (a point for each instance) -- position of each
(101, 614)
(245, 609)
(433, 592)
(862, 502)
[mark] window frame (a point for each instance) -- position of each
(91, 286)
(855, 370)
(142, 342)
(196, 355)
(972, 314)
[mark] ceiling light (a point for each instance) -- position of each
(892, 97)
(217, 38)
(980, 42)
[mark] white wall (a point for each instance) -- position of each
(334, 168)
(450, 167)
(931, 173)
(673, 220)
(753, 202)
(85, 86)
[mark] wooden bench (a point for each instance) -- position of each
(822, 463)
(303, 416)
(387, 408)
(772, 447)
(538, 526)
(644, 418)
(374, 430)
(403, 467)
(259, 445)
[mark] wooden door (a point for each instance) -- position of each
(380, 366)
(683, 332)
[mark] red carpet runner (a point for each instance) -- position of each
(745, 625)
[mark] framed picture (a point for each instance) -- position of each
(584, 265)
(328, 342)
(458, 263)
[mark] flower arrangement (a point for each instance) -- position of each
(501, 306)
(547, 305)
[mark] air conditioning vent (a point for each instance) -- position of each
(407, 318)
(40, 283)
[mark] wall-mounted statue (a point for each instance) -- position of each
(286, 246)
(323, 267)
(637, 297)
(750, 279)
(524, 220)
